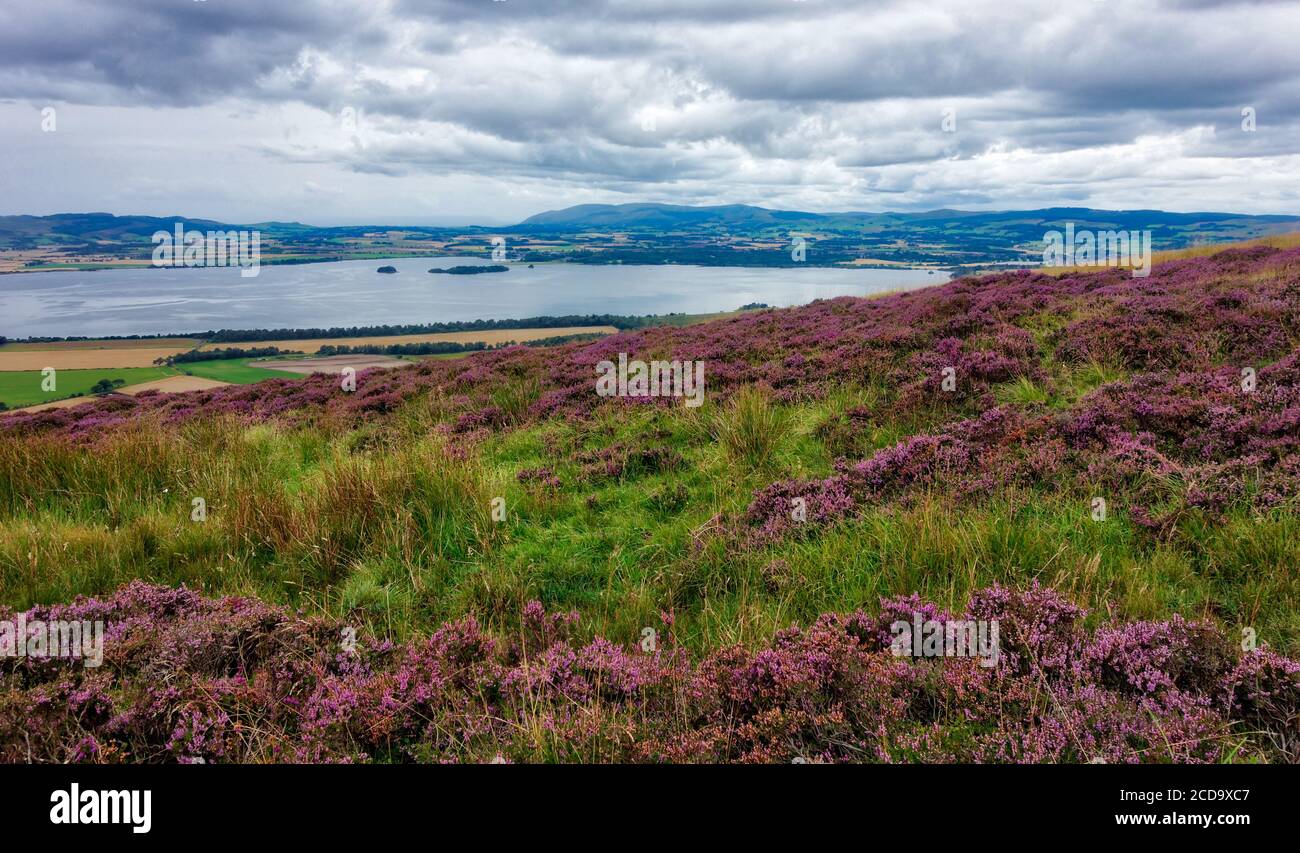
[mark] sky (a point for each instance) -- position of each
(488, 111)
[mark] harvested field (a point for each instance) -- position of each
(56, 404)
(334, 363)
(70, 357)
(174, 385)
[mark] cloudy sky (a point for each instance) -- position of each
(457, 111)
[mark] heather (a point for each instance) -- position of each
(949, 443)
(189, 678)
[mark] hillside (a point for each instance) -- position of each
(1106, 466)
(1028, 225)
(726, 235)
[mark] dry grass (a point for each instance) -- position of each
(1280, 241)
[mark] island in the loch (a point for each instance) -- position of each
(472, 270)
(388, 270)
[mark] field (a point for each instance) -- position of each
(483, 559)
(80, 364)
(23, 387)
(173, 385)
(80, 358)
(168, 344)
(240, 371)
(338, 363)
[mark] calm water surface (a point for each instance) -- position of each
(351, 293)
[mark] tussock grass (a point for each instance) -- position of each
(750, 427)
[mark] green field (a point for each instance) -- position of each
(23, 387)
(236, 370)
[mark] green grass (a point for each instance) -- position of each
(390, 525)
(237, 370)
(23, 387)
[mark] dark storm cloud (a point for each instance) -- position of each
(165, 50)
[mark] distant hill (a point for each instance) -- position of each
(666, 216)
(718, 235)
(71, 229)
(679, 217)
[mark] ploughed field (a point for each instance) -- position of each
(483, 559)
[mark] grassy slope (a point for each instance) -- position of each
(387, 526)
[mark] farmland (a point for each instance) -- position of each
(23, 387)
(82, 363)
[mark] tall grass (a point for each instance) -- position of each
(389, 525)
(750, 427)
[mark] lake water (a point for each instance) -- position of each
(351, 293)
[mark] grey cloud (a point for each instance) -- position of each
(827, 102)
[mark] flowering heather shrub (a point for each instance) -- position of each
(617, 461)
(187, 677)
(962, 457)
(542, 478)
(1220, 444)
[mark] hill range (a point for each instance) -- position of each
(722, 235)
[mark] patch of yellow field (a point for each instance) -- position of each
(173, 385)
(55, 404)
(491, 336)
(334, 364)
(858, 262)
(82, 358)
(16, 260)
